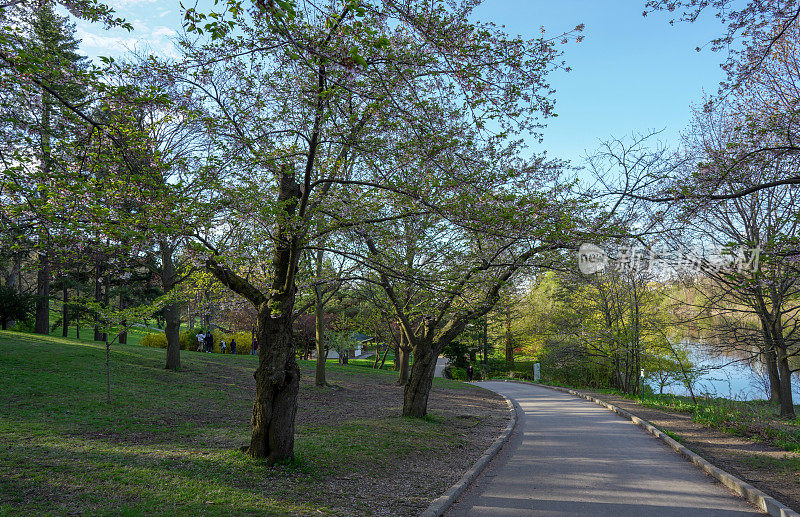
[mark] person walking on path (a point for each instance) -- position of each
(233, 346)
(201, 342)
(209, 342)
(254, 346)
(470, 373)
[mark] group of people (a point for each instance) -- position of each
(205, 343)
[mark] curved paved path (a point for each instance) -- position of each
(569, 456)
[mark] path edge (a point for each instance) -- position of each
(744, 490)
(444, 501)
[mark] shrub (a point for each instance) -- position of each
(16, 307)
(458, 374)
(156, 340)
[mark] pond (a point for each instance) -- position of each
(726, 376)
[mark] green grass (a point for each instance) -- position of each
(370, 362)
(755, 419)
(167, 443)
(786, 466)
(674, 436)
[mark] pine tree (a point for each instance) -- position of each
(52, 54)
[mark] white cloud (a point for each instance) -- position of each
(99, 41)
(163, 32)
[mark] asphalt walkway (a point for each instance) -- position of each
(569, 456)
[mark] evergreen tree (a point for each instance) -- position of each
(40, 131)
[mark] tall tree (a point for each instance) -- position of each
(299, 93)
(41, 130)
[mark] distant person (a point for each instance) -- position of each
(201, 342)
(222, 346)
(233, 346)
(209, 342)
(470, 372)
(254, 346)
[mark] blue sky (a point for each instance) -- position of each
(631, 73)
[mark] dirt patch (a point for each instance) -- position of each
(472, 417)
(771, 470)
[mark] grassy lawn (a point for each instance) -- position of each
(755, 419)
(168, 441)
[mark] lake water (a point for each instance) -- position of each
(726, 377)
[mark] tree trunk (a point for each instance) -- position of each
(485, 341)
(771, 362)
(98, 297)
(418, 387)
(15, 277)
(509, 341)
(787, 405)
(769, 354)
(277, 385)
(42, 325)
(383, 359)
(122, 337)
(277, 376)
(172, 312)
(172, 331)
(64, 308)
(785, 372)
(319, 326)
(404, 360)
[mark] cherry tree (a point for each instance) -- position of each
(300, 97)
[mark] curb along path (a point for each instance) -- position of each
(567, 457)
(443, 502)
(763, 501)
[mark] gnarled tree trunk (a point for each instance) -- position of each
(277, 385)
(418, 387)
(277, 376)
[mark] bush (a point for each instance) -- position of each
(26, 325)
(458, 374)
(523, 368)
(158, 340)
(16, 307)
